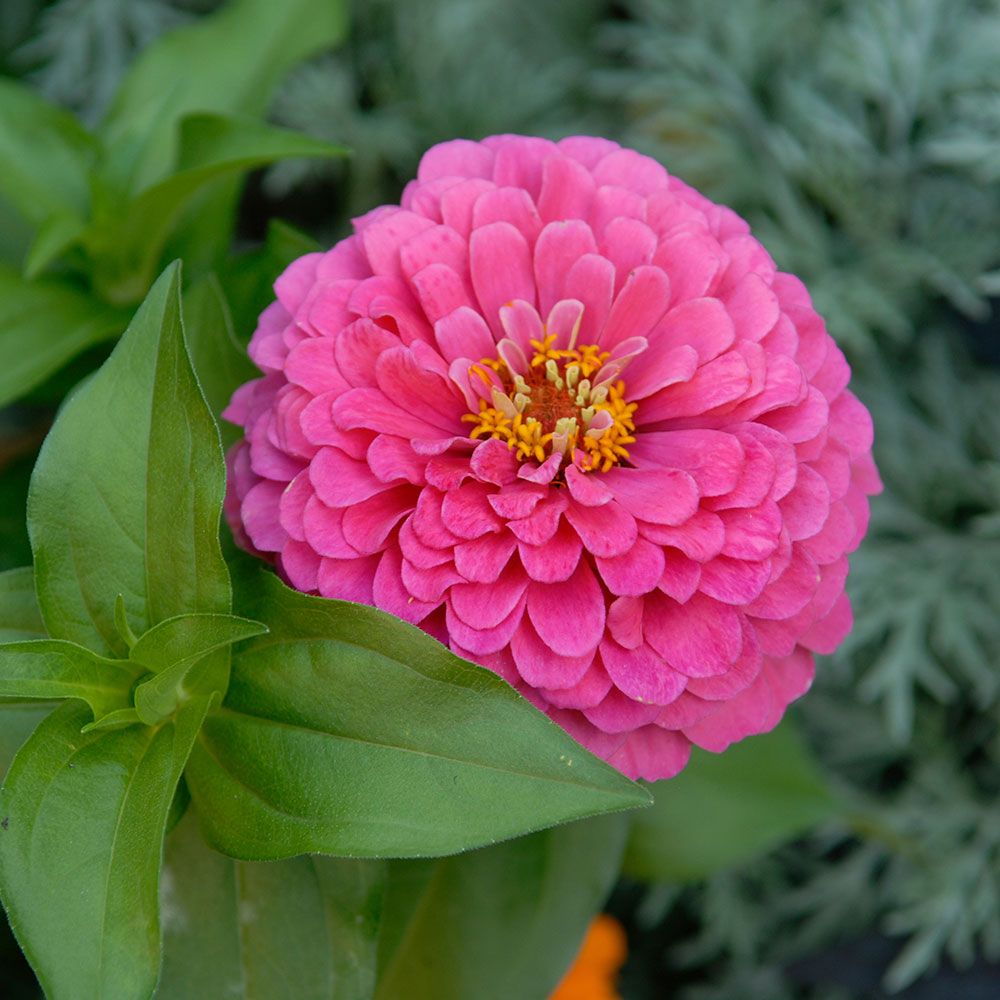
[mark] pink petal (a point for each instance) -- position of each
(652, 753)
(628, 244)
(591, 280)
(500, 262)
(806, 508)
(392, 459)
(428, 521)
(700, 323)
(693, 262)
(733, 581)
(484, 605)
(638, 307)
(625, 621)
(641, 674)
(493, 462)
(508, 204)
(464, 334)
(714, 384)
(753, 307)
(483, 641)
(457, 158)
(292, 504)
(739, 677)
(340, 481)
(700, 639)
(713, 459)
(659, 496)
(790, 592)
(415, 551)
(680, 577)
(635, 572)
(554, 561)
(417, 390)
(751, 532)
(467, 512)
(605, 531)
(589, 691)
(440, 291)
(389, 593)
(542, 523)
(569, 616)
(310, 364)
(367, 525)
(382, 239)
(428, 584)
(482, 560)
(259, 513)
(324, 530)
(701, 537)
(540, 667)
(300, 566)
(587, 490)
(567, 190)
(347, 579)
(633, 170)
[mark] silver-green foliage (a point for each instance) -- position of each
(855, 136)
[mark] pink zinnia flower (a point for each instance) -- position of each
(562, 411)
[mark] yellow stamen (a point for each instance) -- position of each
(550, 408)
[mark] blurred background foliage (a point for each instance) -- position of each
(862, 140)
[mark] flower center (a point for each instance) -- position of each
(560, 404)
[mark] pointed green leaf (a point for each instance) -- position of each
(189, 637)
(83, 818)
(52, 668)
(19, 614)
(128, 488)
(172, 648)
(44, 154)
(211, 146)
(303, 928)
(501, 922)
(43, 324)
(232, 61)
(220, 361)
(348, 732)
(725, 808)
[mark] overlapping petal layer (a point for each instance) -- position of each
(670, 598)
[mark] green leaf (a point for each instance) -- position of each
(129, 245)
(346, 731)
(45, 155)
(303, 928)
(43, 324)
(171, 650)
(128, 489)
(55, 236)
(83, 818)
(725, 808)
(248, 279)
(17, 720)
(220, 361)
(53, 668)
(232, 62)
(19, 614)
(501, 922)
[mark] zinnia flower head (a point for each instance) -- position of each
(563, 412)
